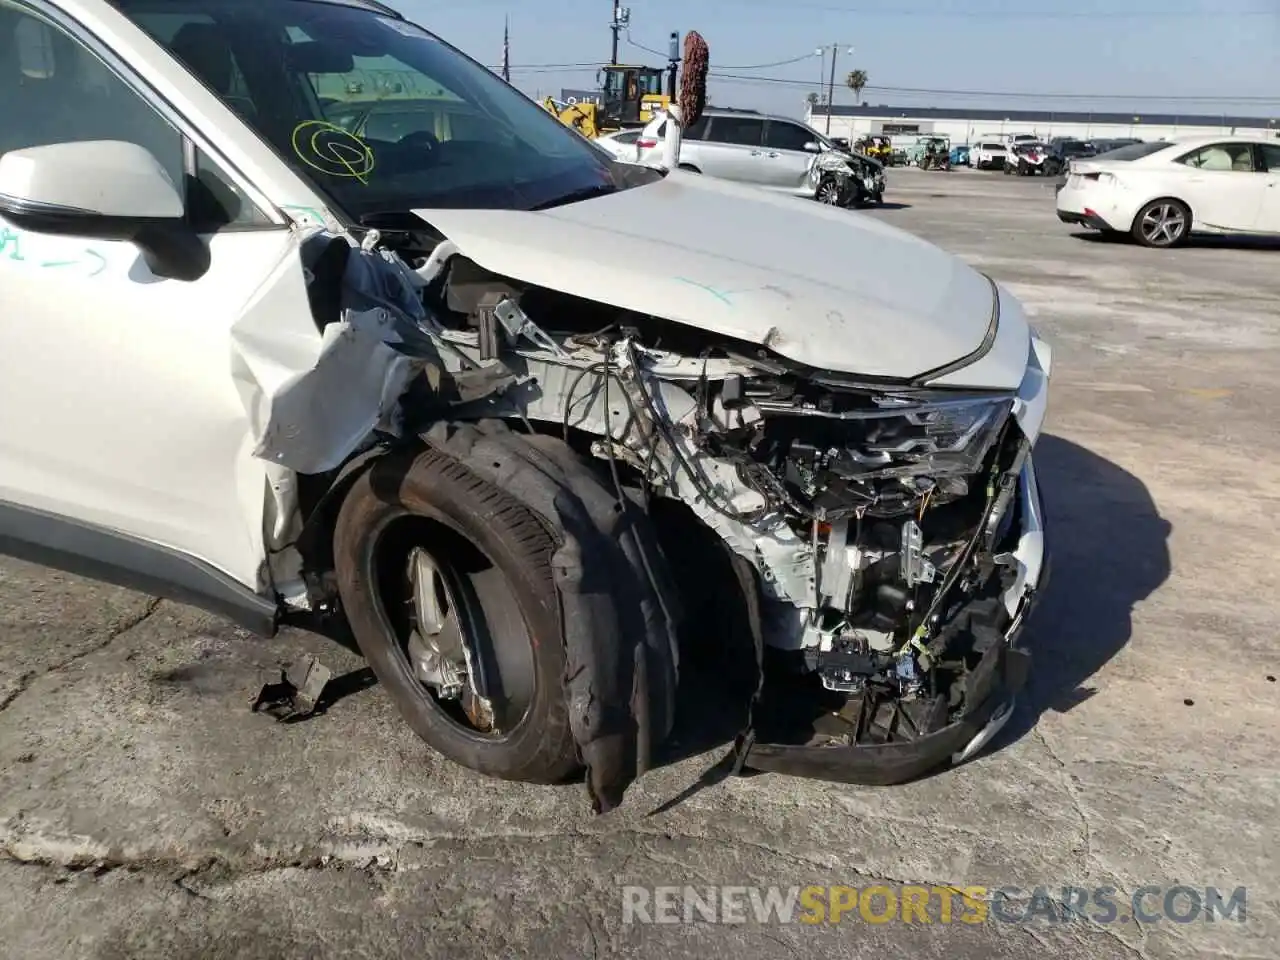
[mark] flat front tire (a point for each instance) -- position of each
(425, 550)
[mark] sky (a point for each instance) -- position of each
(1176, 56)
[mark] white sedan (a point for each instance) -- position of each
(621, 144)
(1161, 193)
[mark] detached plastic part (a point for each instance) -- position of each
(299, 692)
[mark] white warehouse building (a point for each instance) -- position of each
(964, 125)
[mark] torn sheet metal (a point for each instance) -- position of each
(314, 398)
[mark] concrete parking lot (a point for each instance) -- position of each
(146, 812)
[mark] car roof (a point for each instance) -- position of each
(1203, 140)
(749, 114)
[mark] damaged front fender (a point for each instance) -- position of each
(314, 400)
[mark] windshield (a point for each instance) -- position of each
(380, 115)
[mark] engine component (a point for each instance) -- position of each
(915, 568)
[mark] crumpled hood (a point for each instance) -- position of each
(822, 286)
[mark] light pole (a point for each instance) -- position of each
(831, 82)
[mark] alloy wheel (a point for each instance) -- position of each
(1163, 224)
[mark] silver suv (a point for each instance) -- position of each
(772, 151)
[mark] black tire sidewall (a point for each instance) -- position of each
(541, 747)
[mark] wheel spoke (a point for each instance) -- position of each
(429, 599)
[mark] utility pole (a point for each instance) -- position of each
(506, 49)
(831, 82)
(621, 20)
(673, 64)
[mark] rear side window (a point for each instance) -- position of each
(1270, 156)
(1236, 157)
(696, 132)
(745, 131)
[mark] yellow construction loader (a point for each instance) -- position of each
(629, 97)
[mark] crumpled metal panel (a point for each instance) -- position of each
(314, 397)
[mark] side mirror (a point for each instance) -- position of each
(813, 146)
(106, 190)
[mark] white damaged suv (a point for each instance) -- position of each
(542, 431)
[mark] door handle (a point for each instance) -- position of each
(773, 153)
(756, 153)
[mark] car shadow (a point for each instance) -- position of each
(1108, 547)
(1200, 241)
(886, 205)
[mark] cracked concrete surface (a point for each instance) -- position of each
(145, 812)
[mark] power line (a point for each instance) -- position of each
(553, 66)
(641, 46)
(737, 78)
(1017, 14)
(1003, 94)
(744, 66)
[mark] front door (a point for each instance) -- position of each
(121, 410)
(1269, 213)
(1224, 187)
(788, 161)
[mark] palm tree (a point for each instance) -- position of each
(855, 81)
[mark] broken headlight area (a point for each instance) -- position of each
(880, 520)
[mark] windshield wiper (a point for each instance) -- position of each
(586, 193)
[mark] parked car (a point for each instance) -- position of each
(1027, 158)
(1061, 152)
(917, 151)
(622, 145)
(519, 419)
(877, 147)
(960, 156)
(1162, 193)
(1106, 145)
(769, 151)
(988, 155)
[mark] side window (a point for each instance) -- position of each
(1270, 156)
(214, 201)
(744, 131)
(787, 136)
(1221, 156)
(54, 90)
(696, 132)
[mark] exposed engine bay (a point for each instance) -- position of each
(880, 518)
(891, 530)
